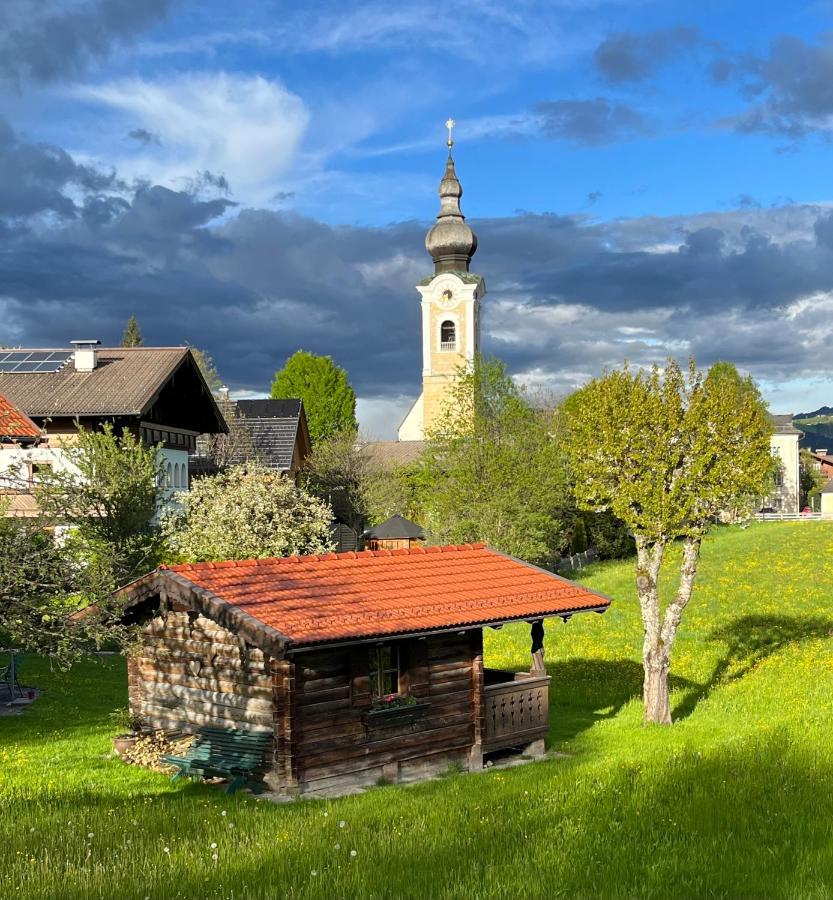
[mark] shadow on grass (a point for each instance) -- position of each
(749, 641)
(586, 691)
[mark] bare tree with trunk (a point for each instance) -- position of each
(667, 452)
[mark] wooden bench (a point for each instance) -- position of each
(225, 753)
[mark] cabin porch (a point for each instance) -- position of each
(516, 704)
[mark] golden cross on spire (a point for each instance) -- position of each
(450, 123)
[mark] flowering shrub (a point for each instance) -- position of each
(247, 512)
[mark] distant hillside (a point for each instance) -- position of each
(817, 427)
(822, 414)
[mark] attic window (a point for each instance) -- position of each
(448, 335)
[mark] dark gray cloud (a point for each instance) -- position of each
(143, 136)
(37, 179)
(789, 89)
(567, 296)
(597, 121)
(627, 57)
(44, 40)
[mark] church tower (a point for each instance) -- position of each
(450, 307)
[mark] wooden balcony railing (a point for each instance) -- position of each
(516, 707)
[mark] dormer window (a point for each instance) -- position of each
(448, 335)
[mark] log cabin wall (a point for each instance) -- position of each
(335, 743)
(188, 671)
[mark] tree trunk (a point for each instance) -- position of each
(655, 660)
(655, 696)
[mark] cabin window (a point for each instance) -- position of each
(169, 475)
(384, 671)
(448, 335)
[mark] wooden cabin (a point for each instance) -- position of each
(364, 666)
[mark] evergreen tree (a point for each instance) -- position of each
(132, 336)
(329, 400)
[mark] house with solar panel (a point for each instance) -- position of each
(349, 667)
(158, 393)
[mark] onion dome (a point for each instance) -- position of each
(451, 242)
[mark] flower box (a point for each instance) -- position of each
(395, 715)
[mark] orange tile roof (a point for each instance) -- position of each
(355, 596)
(14, 423)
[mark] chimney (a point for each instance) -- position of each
(85, 355)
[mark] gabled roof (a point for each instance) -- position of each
(396, 528)
(126, 382)
(14, 423)
(349, 597)
(272, 429)
(828, 488)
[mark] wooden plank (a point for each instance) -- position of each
(219, 698)
(212, 711)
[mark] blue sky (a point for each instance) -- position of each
(646, 179)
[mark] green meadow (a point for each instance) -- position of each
(736, 799)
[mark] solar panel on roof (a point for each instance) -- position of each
(32, 360)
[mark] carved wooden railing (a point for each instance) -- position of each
(516, 707)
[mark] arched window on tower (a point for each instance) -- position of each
(169, 475)
(448, 335)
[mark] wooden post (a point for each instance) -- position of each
(538, 667)
(478, 706)
(285, 740)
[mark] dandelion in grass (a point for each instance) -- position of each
(314, 872)
(167, 850)
(224, 813)
(213, 845)
(342, 823)
(354, 853)
(337, 846)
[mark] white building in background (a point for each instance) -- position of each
(784, 447)
(157, 393)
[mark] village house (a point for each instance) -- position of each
(272, 433)
(822, 461)
(158, 393)
(358, 666)
(784, 447)
(17, 432)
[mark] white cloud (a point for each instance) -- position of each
(246, 128)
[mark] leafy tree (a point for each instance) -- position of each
(493, 469)
(42, 588)
(810, 480)
(108, 495)
(247, 512)
(329, 400)
(208, 369)
(339, 471)
(666, 453)
(132, 336)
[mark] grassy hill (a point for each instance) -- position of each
(817, 427)
(734, 800)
